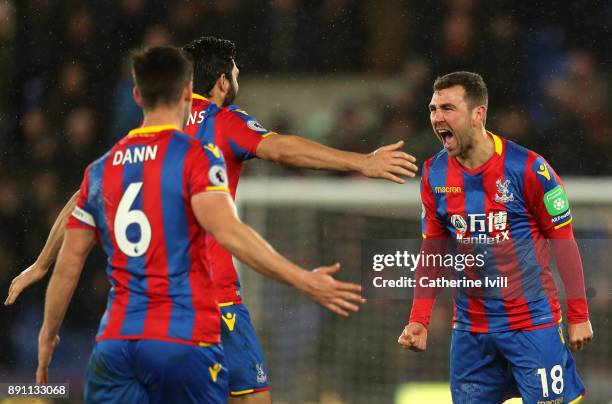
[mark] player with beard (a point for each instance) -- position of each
(492, 196)
(215, 120)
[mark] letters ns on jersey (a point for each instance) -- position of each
(134, 155)
(196, 117)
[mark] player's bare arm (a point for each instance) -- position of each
(74, 251)
(387, 162)
(245, 244)
(40, 267)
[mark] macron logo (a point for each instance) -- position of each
(447, 190)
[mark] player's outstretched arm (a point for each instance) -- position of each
(387, 162)
(41, 266)
(250, 248)
(74, 251)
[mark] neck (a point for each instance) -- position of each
(162, 115)
(217, 99)
(480, 152)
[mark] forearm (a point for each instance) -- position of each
(246, 245)
(75, 248)
(296, 151)
(59, 293)
(56, 235)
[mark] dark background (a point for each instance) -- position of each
(65, 96)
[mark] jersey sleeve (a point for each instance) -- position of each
(434, 232)
(431, 225)
(206, 170)
(82, 217)
(549, 205)
(546, 197)
(244, 133)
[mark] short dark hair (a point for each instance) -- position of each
(212, 57)
(161, 73)
(475, 88)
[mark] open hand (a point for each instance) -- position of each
(27, 277)
(336, 296)
(388, 162)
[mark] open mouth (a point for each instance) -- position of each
(447, 137)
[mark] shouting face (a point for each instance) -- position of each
(453, 120)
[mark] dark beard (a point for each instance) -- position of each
(231, 95)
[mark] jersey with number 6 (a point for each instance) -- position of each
(137, 199)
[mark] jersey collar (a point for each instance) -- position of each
(196, 96)
(499, 145)
(151, 130)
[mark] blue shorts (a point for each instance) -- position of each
(535, 365)
(148, 371)
(245, 362)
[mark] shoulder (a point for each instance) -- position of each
(181, 137)
(513, 147)
(516, 157)
(196, 147)
(100, 161)
(236, 110)
(236, 114)
(533, 161)
(213, 152)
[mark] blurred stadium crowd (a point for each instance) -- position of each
(65, 88)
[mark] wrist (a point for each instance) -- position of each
(359, 163)
(301, 281)
(577, 321)
(42, 265)
(422, 322)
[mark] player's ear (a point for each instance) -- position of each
(479, 115)
(188, 91)
(137, 97)
(223, 83)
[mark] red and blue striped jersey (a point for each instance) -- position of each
(137, 199)
(512, 205)
(237, 135)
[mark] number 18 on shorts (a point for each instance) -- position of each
(535, 365)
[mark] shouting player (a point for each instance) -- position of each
(240, 137)
(483, 191)
(150, 201)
